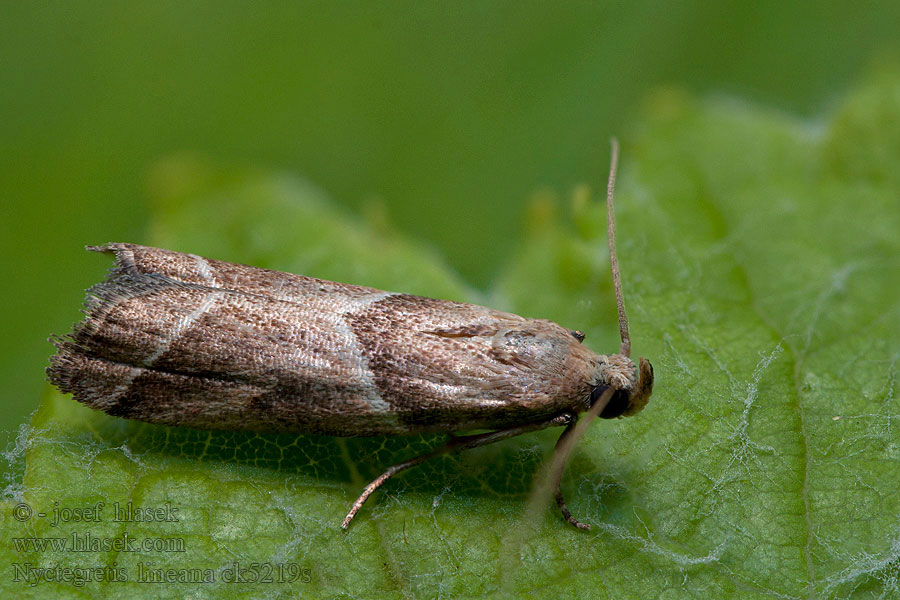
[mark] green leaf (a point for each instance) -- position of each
(760, 257)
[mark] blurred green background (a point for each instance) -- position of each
(449, 118)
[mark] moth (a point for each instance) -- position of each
(182, 340)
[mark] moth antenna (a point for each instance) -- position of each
(576, 429)
(625, 347)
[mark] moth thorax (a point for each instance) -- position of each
(620, 373)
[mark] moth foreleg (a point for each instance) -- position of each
(455, 445)
(567, 440)
(557, 492)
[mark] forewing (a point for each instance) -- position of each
(183, 340)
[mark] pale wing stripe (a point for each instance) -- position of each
(372, 398)
(119, 391)
(346, 305)
(205, 269)
(185, 322)
(181, 326)
(350, 305)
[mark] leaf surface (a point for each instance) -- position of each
(760, 257)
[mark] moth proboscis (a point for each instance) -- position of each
(182, 340)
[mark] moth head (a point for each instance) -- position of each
(633, 385)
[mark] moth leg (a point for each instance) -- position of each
(454, 445)
(564, 447)
(557, 491)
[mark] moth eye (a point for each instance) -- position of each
(578, 335)
(617, 404)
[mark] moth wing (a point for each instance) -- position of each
(451, 364)
(180, 339)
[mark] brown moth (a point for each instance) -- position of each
(182, 340)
